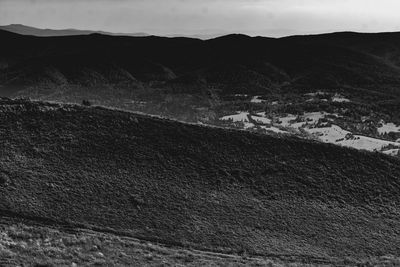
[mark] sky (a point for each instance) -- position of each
(192, 17)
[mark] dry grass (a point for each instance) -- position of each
(38, 245)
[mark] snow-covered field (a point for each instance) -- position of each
(388, 127)
(318, 93)
(257, 121)
(256, 99)
(307, 119)
(241, 117)
(392, 152)
(261, 120)
(333, 133)
(339, 98)
(335, 98)
(325, 130)
(321, 126)
(336, 135)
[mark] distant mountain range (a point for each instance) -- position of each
(27, 30)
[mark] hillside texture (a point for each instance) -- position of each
(193, 186)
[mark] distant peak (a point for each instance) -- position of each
(233, 36)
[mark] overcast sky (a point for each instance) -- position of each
(254, 17)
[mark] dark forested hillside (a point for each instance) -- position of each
(228, 64)
(195, 186)
(383, 45)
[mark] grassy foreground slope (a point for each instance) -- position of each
(192, 186)
(37, 245)
(24, 243)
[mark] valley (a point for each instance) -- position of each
(314, 87)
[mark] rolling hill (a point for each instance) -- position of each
(192, 187)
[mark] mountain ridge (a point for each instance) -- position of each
(28, 30)
(304, 62)
(16, 28)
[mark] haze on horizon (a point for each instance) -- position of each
(191, 17)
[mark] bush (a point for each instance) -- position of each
(86, 102)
